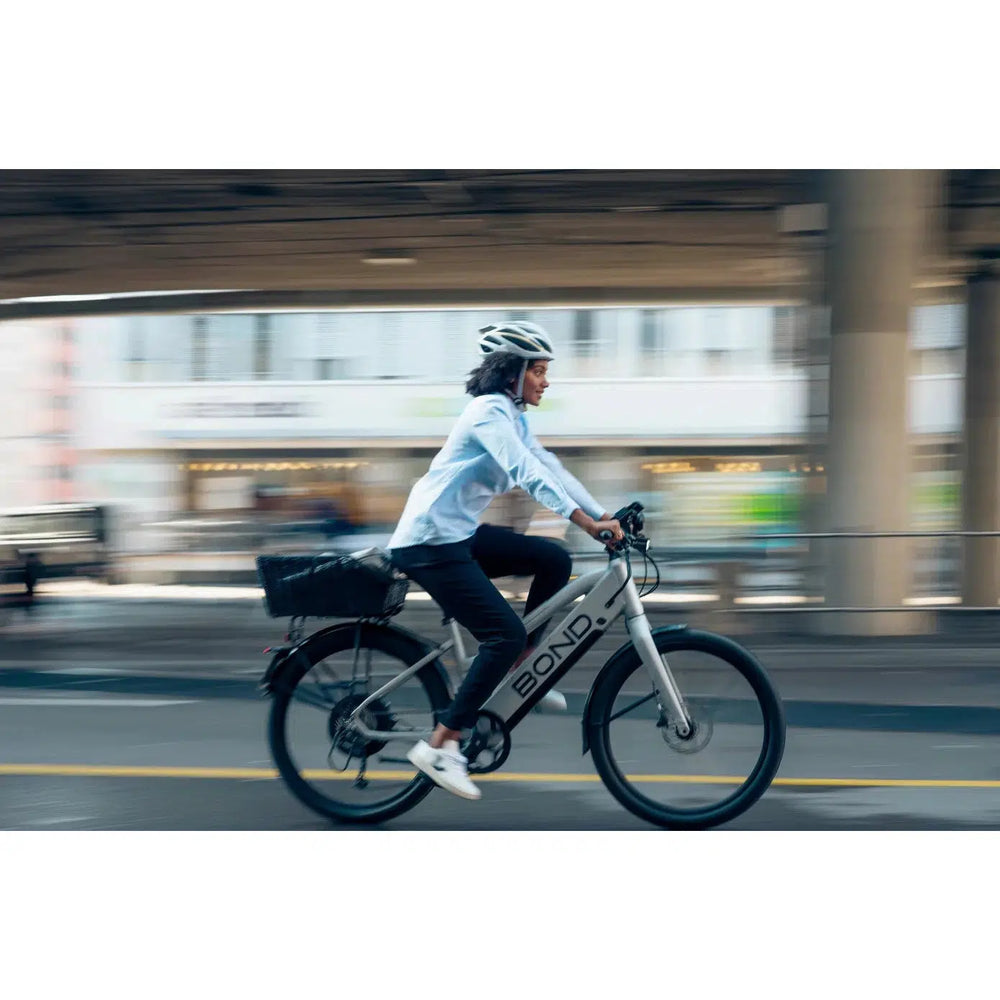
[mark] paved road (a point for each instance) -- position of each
(144, 715)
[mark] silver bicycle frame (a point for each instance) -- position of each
(598, 599)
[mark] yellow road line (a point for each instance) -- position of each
(250, 773)
(129, 771)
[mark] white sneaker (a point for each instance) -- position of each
(551, 701)
(445, 767)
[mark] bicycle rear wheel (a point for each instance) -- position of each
(330, 767)
(702, 778)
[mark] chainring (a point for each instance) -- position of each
(489, 745)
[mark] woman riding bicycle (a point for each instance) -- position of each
(438, 545)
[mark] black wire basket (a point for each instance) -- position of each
(327, 586)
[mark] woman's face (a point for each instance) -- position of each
(536, 381)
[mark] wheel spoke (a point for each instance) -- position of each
(632, 707)
(333, 680)
(305, 696)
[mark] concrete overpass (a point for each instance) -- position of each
(865, 243)
(348, 237)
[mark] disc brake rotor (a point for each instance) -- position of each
(697, 739)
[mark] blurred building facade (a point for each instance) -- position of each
(700, 411)
(38, 453)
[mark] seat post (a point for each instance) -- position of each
(462, 658)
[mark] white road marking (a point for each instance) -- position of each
(118, 666)
(96, 702)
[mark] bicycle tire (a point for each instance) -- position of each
(392, 643)
(609, 684)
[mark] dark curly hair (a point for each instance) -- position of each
(495, 373)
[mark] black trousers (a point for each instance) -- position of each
(457, 575)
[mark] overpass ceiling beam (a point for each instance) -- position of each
(303, 301)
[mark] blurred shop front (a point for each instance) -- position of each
(186, 447)
(709, 496)
(282, 486)
(714, 460)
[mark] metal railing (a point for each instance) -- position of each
(741, 573)
(914, 605)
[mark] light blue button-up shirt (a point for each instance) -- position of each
(489, 451)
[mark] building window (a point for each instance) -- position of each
(718, 362)
(136, 361)
(937, 335)
(330, 369)
(262, 349)
(717, 329)
(651, 332)
(787, 321)
(583, 334)
(199, 349)
(940, 361)
(652, 350)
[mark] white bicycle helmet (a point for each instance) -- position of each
(526, 340)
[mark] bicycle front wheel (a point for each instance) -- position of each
(324, 762)
(695, 779)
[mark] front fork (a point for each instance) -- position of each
(673, 710)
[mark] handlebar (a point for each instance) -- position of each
(631, 520)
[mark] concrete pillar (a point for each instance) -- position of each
(981, 442)
(805, 229)
(815, 515)
(877, 223)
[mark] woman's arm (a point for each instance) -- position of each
(495, 431)
(569, 482)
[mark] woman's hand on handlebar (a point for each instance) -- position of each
(595, 528)
(602, 529)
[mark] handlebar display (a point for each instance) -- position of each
(632, 514)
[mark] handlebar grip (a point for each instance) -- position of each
(605, 536)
